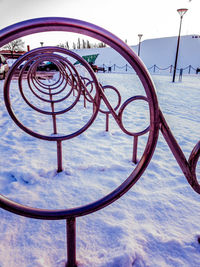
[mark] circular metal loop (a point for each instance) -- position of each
(76, 80)
(55, 60)
(125, 104)
(118, 96)
(50, 88)
(193, 159)
(71, 25)
(88, 89)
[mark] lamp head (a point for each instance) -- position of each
(140, 36)
(182, 11)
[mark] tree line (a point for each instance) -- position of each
(81, 44)
(18, 45)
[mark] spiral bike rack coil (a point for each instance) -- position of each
(70, 80)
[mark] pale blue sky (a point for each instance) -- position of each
(124, 18)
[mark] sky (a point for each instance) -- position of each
(124, 18)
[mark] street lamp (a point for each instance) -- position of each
(140, 36)
(181, 12)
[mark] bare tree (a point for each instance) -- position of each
(88, 44)
(79, 44)
(67, 45)
(64, 45)
(14, 46)
(83, 44)
(100, 45)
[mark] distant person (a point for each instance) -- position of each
(2, 59)
(197, 70)
(3, 67)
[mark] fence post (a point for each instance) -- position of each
(180, 75)
(189, 69)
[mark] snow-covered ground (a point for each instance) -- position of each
(155, 224)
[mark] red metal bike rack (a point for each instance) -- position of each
(71, 78)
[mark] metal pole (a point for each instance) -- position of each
(135, 144)
(53, 116)
(139, 49)
(59, 143)
(71, 242)
(177, 49)
(181, 12)
(140, 36)
(59, 156)
(107, 122)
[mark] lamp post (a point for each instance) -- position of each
(181, 12)
(140, 36)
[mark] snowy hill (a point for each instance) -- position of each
(160, 52)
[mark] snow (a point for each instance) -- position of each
(159, 51)
(162, 51)
(156, 223)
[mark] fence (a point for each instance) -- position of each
(153, 69)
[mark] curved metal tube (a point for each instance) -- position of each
(63, 24)
(81, 85)
(157, 120)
